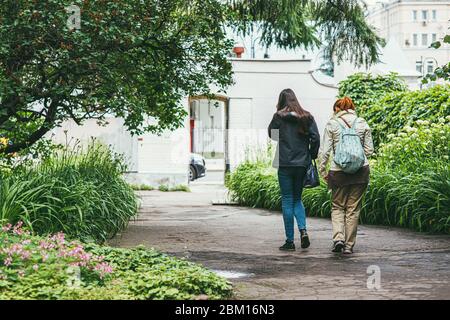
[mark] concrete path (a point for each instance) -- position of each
(243, 243)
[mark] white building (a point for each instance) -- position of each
(415, 25)
(225, 130)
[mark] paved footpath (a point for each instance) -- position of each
(242, 244)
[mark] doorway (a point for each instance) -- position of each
(208, 123)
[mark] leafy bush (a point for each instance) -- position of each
(388, 106)
(396, 110)
(80, 192)
(36, 267)
(365, 88)
(421, 148)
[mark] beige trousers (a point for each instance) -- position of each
(345, 211)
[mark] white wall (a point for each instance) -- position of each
(153, 160)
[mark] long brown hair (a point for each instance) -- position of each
(288, 102)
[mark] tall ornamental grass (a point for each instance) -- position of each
(420, 202)
(409, 187)
(78, 191)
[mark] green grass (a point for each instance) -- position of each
(141, 187)
(178, 188)
(79, 192)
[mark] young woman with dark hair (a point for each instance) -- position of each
(298, 143)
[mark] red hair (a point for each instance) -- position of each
(344, 104)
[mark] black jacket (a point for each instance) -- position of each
(294, 149)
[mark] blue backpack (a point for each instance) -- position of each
(349, 153)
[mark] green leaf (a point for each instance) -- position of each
(436, 45)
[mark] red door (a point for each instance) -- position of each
(192, 126)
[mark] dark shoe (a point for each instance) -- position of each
(288, 246)
(347, 251)
(304, 239)
(338, 246)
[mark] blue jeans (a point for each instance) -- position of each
(291, 185)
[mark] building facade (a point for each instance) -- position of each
(415, 25)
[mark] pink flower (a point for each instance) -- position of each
(16, 248)
(25, 255)
(59, 238)
(18, 228)
(8, 261)
(35, 267)
(6, 227)
(103, 268)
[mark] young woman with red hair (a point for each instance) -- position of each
(347, 188)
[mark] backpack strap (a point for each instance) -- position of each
(348, 125)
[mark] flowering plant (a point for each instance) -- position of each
(22, 254)
(418, 148)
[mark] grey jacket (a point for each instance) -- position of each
(293, 149)
(331, 138)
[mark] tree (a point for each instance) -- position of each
(442, 72)
(338, 26)
(136, 59)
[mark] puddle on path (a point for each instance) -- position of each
(227, 274)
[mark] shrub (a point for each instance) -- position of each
(36, 267)
(396, 110)
(421, 148)
(80, 192)
(388, 106)
(365, 88)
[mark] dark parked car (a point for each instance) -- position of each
(197, 167)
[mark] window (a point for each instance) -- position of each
(430, 67)
(424, 39)
(434, 15)
(424, 15)
(415, 15)
(433, 38)
(415, 40)
(419, 66)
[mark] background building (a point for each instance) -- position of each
(415, 25)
